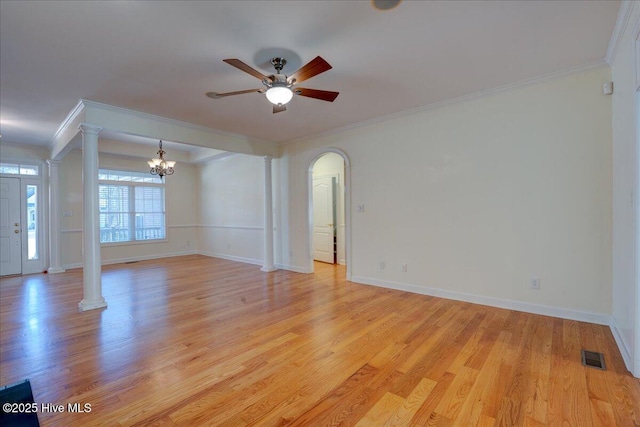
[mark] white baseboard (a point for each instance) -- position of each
(231, 257)
(147, 257)
(72, 266)
(133, 259)
(294, 268)
(582, 316)
(623, 345)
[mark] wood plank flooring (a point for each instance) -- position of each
(198, 341)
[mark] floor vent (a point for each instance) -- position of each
(593, 359)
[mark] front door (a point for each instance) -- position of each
(324, 219)
(10, 229)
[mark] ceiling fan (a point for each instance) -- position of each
(280, 88)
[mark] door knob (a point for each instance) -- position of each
(16, 231)
(16, 224)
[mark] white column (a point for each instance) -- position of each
(54, 218)
(268, 218)
(92, 273)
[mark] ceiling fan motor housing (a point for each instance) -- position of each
(278, 63)
(279, 80)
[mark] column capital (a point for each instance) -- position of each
(53, 163)
(268, 158)
(89, 128)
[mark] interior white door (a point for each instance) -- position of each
(10, 230)
(323, 219)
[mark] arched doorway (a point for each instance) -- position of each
(329, 212)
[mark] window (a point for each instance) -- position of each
(17, 169)
(32, 222)
(131, 206)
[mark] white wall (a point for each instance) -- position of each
(23, 152)
(478, 198)
(181, 193)
(328, 165)
(232, 208)
(626, 287)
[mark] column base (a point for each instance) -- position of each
(85, 305)
(56, 270)
(269, 269)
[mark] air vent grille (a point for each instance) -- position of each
(593, 359)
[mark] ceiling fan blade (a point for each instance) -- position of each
(324, 95)
(244, 67)
(216, 95)
(312, 68)
(279, 108)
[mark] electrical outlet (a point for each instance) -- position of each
(404, 268)
(535, 283)
(382, 265)
(360, 208)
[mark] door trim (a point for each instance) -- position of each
(38, 265)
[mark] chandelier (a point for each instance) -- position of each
(161, 166)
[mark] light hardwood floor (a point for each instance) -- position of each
(199, 341)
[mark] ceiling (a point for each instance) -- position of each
(161, 57)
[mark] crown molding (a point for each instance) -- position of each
(66, 137)
(71, 117)
(624, 14)
(173, 122)
(453, 101)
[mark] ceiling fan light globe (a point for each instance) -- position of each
(279, 95)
